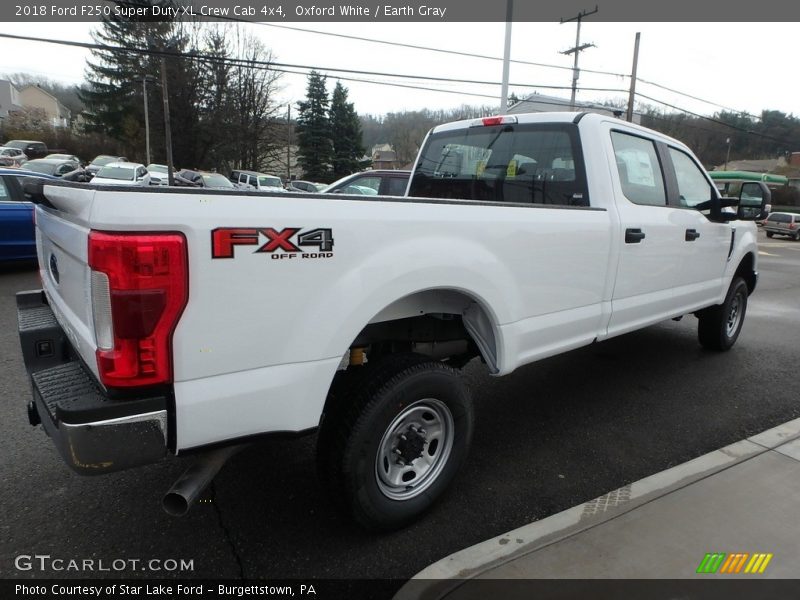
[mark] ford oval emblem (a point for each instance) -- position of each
(54, 267)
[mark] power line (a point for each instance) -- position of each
(674, 91)
(399, 44)
(498, 58)
(285, 67)
(277, 66)
(431, 49)
(717, 121)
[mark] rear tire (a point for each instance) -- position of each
(720, 325)
(769, 234)
(396, 440)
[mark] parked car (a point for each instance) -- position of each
(51, 166)
(122, 173)
(250, 180)
(15, 154)
(203, 179)
(31, 148)
(158, 174)
(101, 161)
(383, 182)
(70, 157)
(783, 223)
(298, 185)
(17, 237)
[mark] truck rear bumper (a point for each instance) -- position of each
(94, 433)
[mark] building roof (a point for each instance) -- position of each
(542, 103)
(757, 166)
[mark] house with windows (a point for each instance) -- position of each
(9, 99)
(33, 96)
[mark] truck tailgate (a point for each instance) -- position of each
(62, 231)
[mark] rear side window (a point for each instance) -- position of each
(779, 218)
(639, 169)
(528, 163)
(396, 186)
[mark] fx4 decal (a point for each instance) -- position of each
(289, 242)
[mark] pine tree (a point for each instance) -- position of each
(113, 94)
(346, 134)
(315, 148)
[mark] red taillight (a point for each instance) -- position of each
(140, 286)
(490, 121)
(792, 225)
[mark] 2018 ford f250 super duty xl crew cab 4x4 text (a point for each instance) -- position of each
(177, 320)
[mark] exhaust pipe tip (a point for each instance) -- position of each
(175, 504)
(180, 497)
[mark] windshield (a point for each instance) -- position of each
(216, 180)
(269, 181)
(41, 167)
(157, 168)
(103, 160)
(121, 173)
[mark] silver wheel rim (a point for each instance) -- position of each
(734, 315)
(425, 428)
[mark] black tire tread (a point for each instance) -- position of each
(364, 391)
(352, 394)
(709, 329)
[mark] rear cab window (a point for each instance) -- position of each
(532, 163)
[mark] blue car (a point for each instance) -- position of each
(17, 239)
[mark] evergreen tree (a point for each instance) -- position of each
(346, 134)
(315, 148)
(113, 94)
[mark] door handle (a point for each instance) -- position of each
(691, 235)
(633, 236)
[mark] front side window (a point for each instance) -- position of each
(527, 163)
(693, 187)
(639, 169)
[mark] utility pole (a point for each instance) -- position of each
(288, 142)
(506, 57)
(632, 95)
(576, 50)
(727, 154)
(167, 127)
(145, 79)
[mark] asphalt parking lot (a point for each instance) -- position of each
(551, 435)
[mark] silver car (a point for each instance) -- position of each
(782, 223)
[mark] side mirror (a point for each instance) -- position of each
(753, 200)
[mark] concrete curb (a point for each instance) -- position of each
(473, 561)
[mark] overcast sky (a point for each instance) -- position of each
(743, 66)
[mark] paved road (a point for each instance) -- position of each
(551, 435)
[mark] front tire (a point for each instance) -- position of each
(404, 434)
(769, 234)
(720, 325)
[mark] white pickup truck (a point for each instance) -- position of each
(178, 320)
